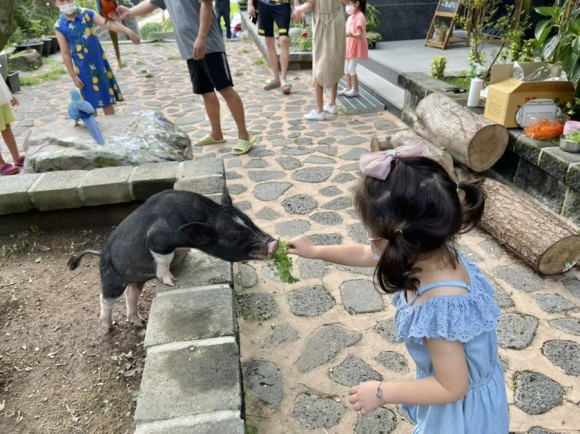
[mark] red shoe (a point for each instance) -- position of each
(20, 161)
(9, 169)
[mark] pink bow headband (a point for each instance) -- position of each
(378, 164)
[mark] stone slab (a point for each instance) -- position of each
(199, 269)
(189, 381)
(106, 186)
(58, 190)
(152, 178)
(189, 314)
(14, 191)
(230, 426)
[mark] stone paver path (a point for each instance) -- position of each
(304, 345)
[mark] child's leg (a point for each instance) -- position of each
(8, 137)
(333, 92)
(109, 110)
(318, 91)
(354, 77)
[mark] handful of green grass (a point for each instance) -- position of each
(283, 263)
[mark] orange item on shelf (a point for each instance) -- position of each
(544, 129)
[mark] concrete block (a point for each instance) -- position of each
(152, 178)
(189, 314)
(571, 208)
(573, 176)
(58, 190)
(529, 149)
(192, 426)
(210, 184)
(14, 197)
(191, 380)
(107, 186)
(199, 269)
(202, 167)
(540, 185)
(556, 162)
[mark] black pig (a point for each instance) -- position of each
(159, 233)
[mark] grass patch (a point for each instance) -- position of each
(259, 61)
(174, 58)
(53, 74)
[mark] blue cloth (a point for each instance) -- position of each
(90, 61)
(471, 319)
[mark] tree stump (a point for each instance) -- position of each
(540, 238)
(471, 139)
(408, 137)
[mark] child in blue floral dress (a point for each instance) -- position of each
(83, 56)
(446, 314)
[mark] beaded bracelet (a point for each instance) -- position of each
(380, 392)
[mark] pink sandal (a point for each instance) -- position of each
(20, 161)
(9, 169)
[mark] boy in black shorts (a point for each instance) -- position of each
(279, 12)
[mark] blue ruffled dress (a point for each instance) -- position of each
(89, 59)
(472, 319)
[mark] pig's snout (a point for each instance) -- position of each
(272, 246)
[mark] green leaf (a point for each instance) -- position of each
(283, 263)
(549, 48)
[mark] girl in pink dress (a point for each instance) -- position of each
(356, 45)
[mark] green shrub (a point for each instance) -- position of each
(438, 65)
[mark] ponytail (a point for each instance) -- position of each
(473, 203)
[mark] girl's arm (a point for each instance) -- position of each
(143, 8)
(116, 27)
(358, 33)
(67, 59)
(300, 11)
(354, 255)
(449, 384)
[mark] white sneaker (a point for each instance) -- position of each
(315, 116)
(351, 93)
(330, 109)
(341, 92)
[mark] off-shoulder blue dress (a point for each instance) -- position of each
(469, 318)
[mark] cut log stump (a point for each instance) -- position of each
(540, 238)
(471, 139)
(408, 137)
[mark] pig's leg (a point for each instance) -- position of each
(107, 311)
(132, 294)
(162, 263)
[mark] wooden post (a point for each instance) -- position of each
(471, 139)
(541, 239)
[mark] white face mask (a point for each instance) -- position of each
(68, 9)
(349, 9)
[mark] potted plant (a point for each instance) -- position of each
(557, 37)
(373, 24)
(570, 142)
(440, 31)
(13, 81)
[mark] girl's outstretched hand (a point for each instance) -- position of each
(300, 246)
(364, 397)
(134, 37)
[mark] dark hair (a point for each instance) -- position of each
(362, 5)
(419, 211)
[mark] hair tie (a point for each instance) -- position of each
(399, 231)
(378, 164)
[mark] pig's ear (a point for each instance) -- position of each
(226, 199)
(200, 234)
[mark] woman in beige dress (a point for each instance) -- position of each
(328, 50)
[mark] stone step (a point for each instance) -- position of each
(381, 82)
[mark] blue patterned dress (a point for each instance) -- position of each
(89, 59)
(471, 319)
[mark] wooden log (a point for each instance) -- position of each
(408, 137)
(471, 139)
(540, 238)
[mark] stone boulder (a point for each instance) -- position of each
(25, 60)
(131, 139)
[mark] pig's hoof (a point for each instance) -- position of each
(167, 280)
(137, 320)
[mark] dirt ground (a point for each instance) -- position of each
(59, 371)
